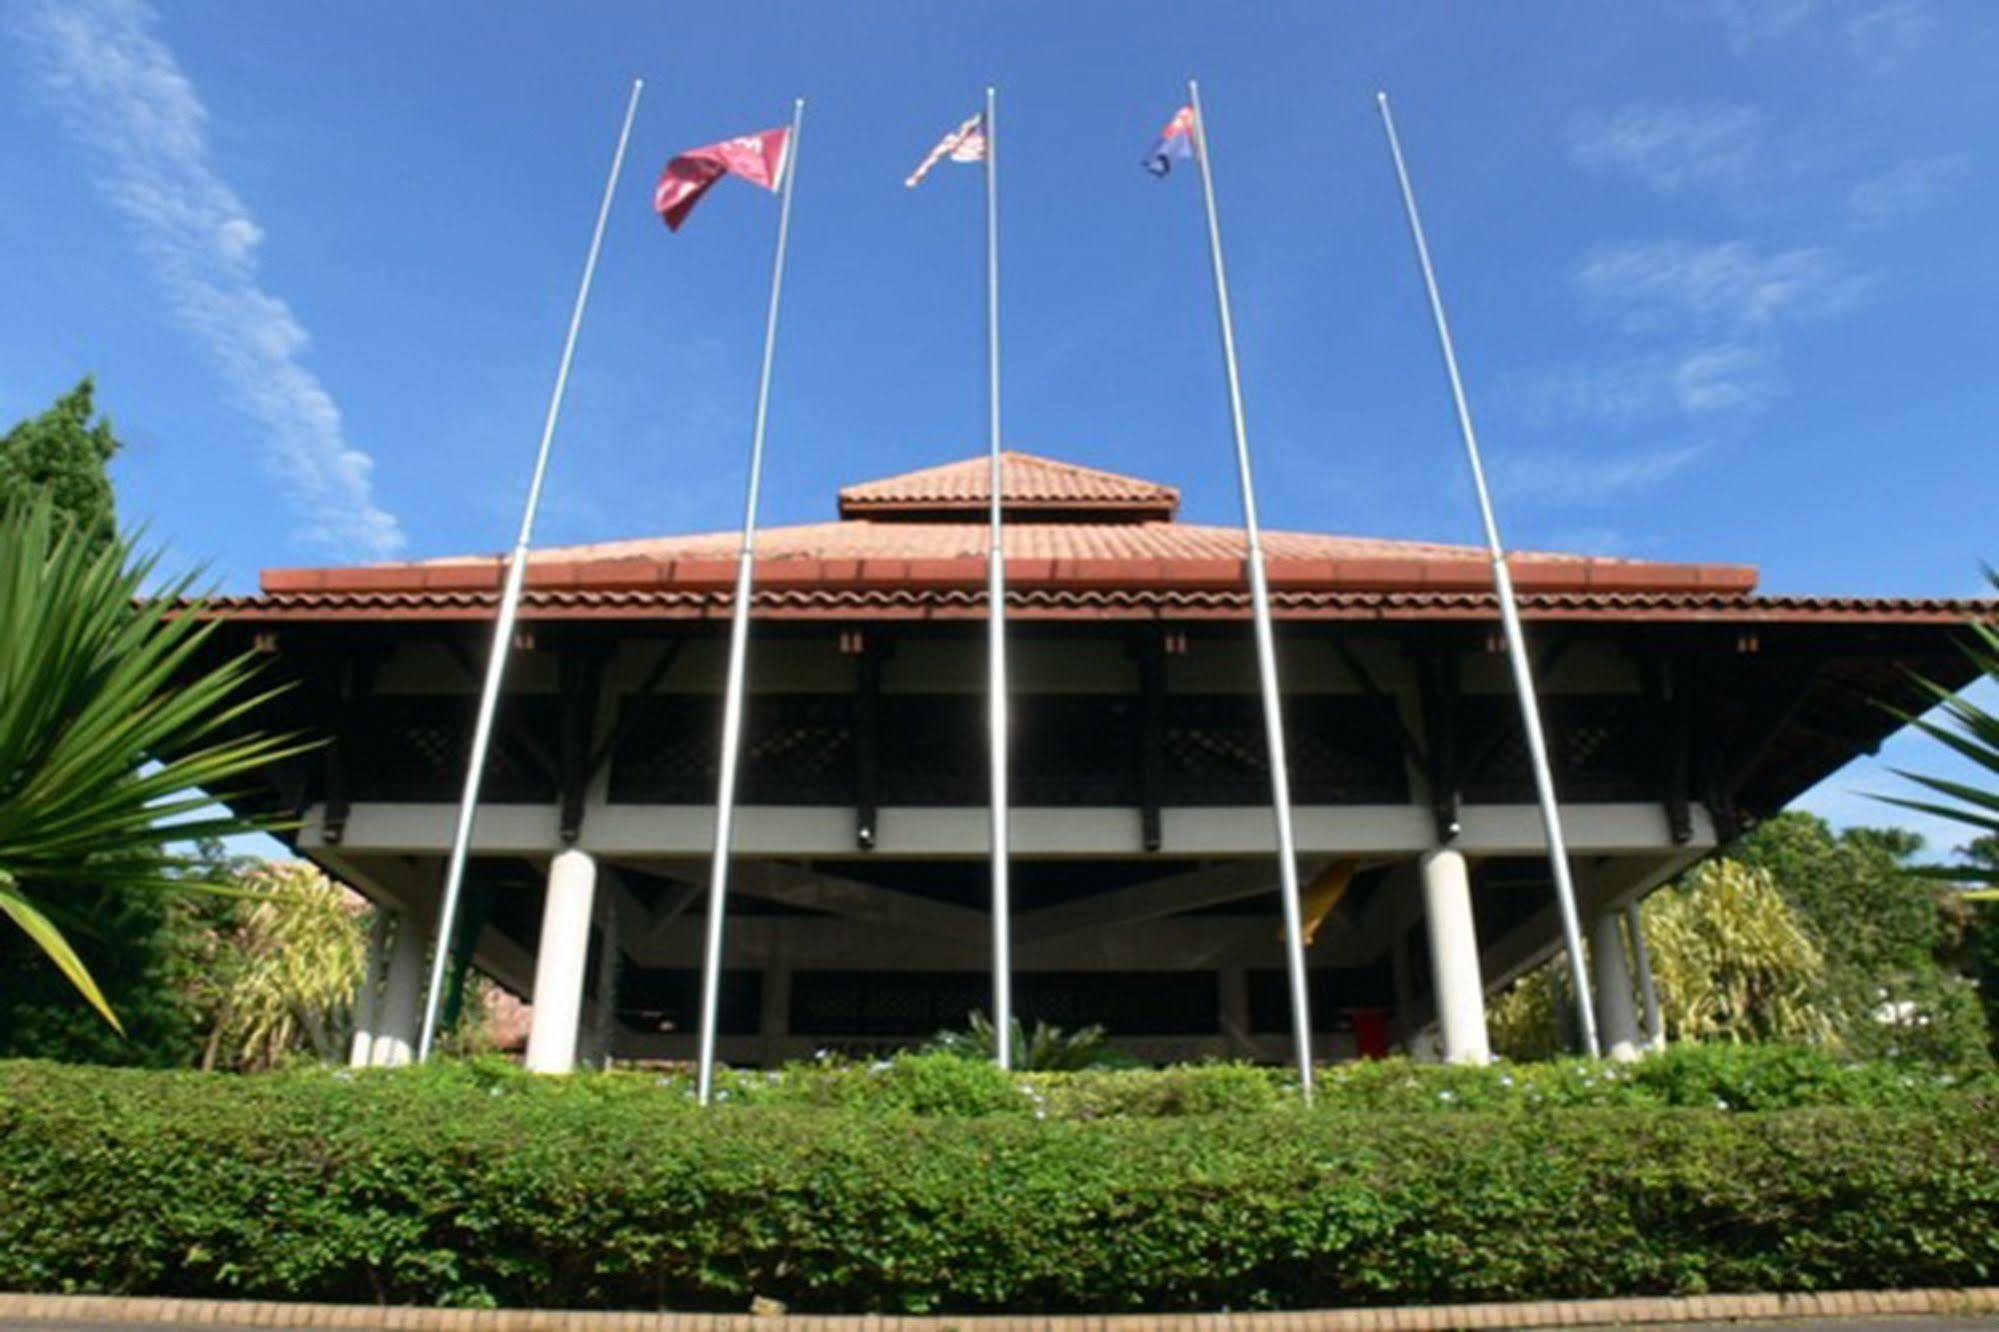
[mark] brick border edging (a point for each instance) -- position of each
(1427, 1318)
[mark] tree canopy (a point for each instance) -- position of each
(1797, 933)
(62, 457)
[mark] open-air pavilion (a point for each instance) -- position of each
(1681, 705)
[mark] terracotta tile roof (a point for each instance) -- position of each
(1028, 484)
(709, 598)
(1080, 543)
(871, 538)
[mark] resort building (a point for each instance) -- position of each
(1681, 705)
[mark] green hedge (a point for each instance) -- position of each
(1720, 1077)
(451, 1185)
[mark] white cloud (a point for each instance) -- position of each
(1886, 36)
(1711, 380)
(1729, 377)
(1905, 190)
(1669, 148)
(1728, 286)
(121, 94)
(1596, 477)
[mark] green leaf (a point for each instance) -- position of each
(48, 938)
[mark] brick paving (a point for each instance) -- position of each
(96, 1313)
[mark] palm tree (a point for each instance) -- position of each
(300, 956)
(1047, 1049)
(1973, 732)
(115, 741)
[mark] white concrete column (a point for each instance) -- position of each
(560, 961)
(1648, 987)
(1460, 991)
(366, 1005)
(1616, 1018)
(401, 1022)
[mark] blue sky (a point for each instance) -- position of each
(1721, 270)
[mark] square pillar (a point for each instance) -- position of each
(1460, 990)
(560, 962)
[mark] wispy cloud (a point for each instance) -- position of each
(1593, 477)
(123, 97)
(1704, 381)
(1730, 285)
(1904, 191)
(1729, 377)
(1886, 36)
(1669, 149)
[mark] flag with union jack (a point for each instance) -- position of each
(967, 143)
(1176, 140)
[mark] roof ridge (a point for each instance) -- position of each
(1031, 483)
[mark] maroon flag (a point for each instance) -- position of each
(757, 158)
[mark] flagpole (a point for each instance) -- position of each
(997, 724)
(739, 642)
(503, 625)
(1266, 638)
(1509, 610)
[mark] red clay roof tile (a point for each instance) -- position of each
(1027, 483)
(1073, 528)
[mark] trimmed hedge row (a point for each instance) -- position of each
(445, 1186)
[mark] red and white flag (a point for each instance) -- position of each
(967, 143)
(758, 158)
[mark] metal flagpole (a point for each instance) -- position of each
(997, 724)
(1266, 639)
(1509, 610)
(739, 642)
(503, 625)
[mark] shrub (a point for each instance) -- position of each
(1153, 1093)
(1729, 1077)
(1046, 1049)
(474, 1185)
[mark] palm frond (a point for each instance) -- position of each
(117, 733)
(1972, 732)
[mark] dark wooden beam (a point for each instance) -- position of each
(1708, 754)
(345, 684)
(1769, 715)
(1412, 748)
(867, 742)
(1488, 745)
(1151, 740)
(1667, 692)
(509, 731)
(579, 673)
(622, 726)
(1437, 681)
